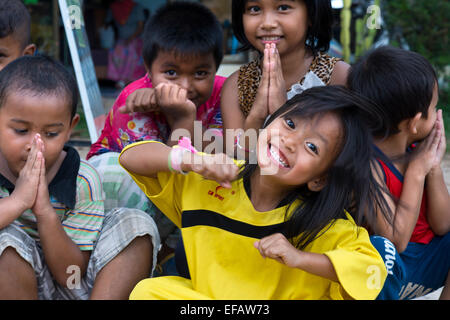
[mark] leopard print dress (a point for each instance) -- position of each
(250, 74)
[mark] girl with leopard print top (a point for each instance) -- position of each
(292, 38)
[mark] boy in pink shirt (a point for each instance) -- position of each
(182, 53)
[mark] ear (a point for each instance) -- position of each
(73, 124)
(317, 184)
(29, 50)
(413, 122)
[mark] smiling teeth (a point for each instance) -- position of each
(270, 38)
(276, 156)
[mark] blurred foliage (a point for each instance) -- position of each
(423, 27)
(346, 17)
(365, 31)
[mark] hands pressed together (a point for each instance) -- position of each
(430, 152)
(31, 188)
(271, 93)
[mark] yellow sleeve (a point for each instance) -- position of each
(164, 191)
(358, 265)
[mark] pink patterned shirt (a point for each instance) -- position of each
(121, 130)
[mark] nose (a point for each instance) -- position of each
(185, 83)
(288, 140)
(269, 21)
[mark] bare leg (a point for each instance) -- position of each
(445, 294)
(118, 278)
(17, 278)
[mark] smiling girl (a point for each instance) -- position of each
(301, 206)
(291, 37)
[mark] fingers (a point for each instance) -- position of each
(271, 246)
(141, 100)
(219, 168)
(37, 146)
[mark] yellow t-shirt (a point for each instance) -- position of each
(219, 227)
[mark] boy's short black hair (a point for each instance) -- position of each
(319, 32)
(184, 27)
(400, 81)
(39, 75)
(15, 20)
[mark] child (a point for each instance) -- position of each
(292, 38)
(55, 239)
(405, 86)
(182, 53)
(14, 31)
(313, 164)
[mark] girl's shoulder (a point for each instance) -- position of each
(325, 67)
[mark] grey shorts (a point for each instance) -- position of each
(120, 227)
(121, 191)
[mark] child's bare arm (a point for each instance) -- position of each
(232, 116)
(438, 204)
(150, 158)
(406, 213)
(59, 250)
(277, 247)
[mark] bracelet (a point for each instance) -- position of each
(176, 158)
(236, 142)
(176, 154)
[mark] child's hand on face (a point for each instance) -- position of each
(429, 153)
(27, 183)
(440, 152)
(141, 100)
(277, 247)
(217, 167)
(277, 86)
(173, 101)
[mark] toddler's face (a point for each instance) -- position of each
(195, 73)
(22, 116)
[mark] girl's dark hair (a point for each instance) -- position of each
(183, 27)
(399, 81)
(351, 183)
(39, 75)
(319, 32)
